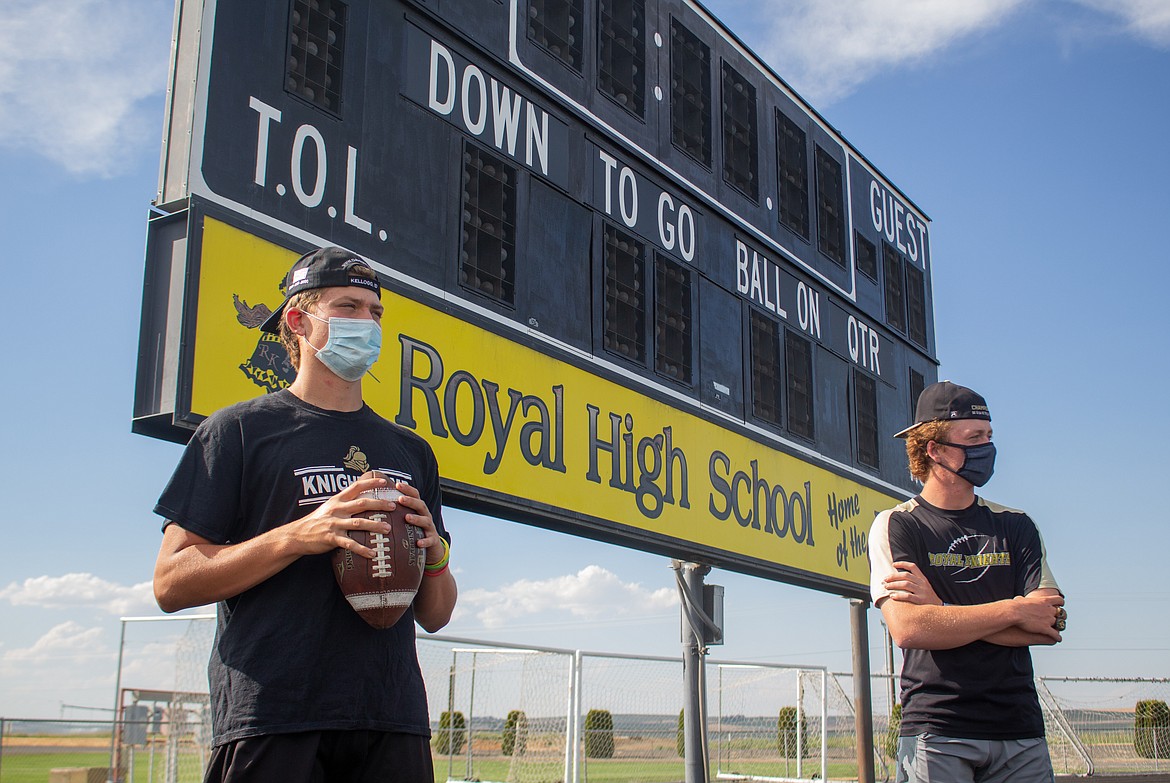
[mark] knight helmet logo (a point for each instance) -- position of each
(356, 460)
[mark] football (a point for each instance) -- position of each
(380, 589)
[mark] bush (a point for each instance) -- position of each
(598, 734)
(1151, 729)
(515, 738)
(891, 744)
(452, 734)
(680, 743)
(787, 723)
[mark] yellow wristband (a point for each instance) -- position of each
(442, 562)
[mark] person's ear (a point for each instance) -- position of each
(295, 320)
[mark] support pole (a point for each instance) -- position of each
(694, 700)
(862, 699)
(111, 775)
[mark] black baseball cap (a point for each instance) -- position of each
(946, 401)
(329, 267)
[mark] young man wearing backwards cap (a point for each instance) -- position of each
(964, 588)
(302, 689)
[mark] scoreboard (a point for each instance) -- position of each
(637, 289)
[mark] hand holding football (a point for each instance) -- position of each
(382, 587)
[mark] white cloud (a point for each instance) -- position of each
(593, 593)
(69, 640)
(1148, 20)
(825, 48)
(74, 591)
(69, 664)
(73, 76)
(73, 663)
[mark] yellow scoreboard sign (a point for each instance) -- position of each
(530, 436)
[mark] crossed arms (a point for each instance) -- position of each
(917, 618)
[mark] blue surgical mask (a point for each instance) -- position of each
(978, 464)
(352, 348)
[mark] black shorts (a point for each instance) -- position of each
(323, 757)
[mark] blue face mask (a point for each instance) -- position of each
(352, 348)
(978, 465)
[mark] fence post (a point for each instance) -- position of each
(112, 775)
(825, 724)
(719, 727)
(1157, 755)
(800, 726)
(451, 714)
(470, 716)
(572, 716)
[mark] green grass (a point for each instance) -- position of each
(31, 765)
(599, 771)
(25, 767)
(629, 771)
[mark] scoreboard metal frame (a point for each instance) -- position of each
(613, 191)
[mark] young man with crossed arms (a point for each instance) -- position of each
(964, 588)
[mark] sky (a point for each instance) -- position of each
(1032, 132)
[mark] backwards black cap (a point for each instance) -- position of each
(329, 267)
(946, 401)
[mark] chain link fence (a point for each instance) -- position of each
(150, 750)
(1093, 724)
(513, 714)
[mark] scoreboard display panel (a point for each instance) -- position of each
(637, 289)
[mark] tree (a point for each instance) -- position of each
(1151, 729)
(598, 734)
(891, 744)
(452, 734)
(787, 724)
(515, 737)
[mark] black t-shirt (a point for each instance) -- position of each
(290, 654)
(976, 555)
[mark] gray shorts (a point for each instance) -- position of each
(930, 758)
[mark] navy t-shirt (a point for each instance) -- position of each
(290, 654)
(976, 555)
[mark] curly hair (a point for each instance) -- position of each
(916, 441)
(301, 301)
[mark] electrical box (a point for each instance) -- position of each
(713, 608)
